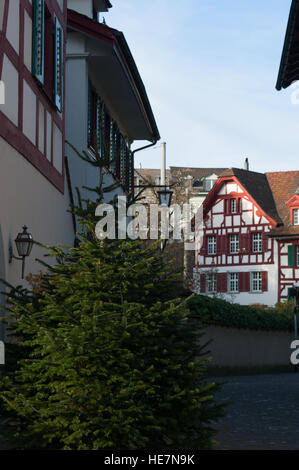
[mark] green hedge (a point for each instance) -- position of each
(213, 311)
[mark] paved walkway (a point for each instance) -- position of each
(264, 413)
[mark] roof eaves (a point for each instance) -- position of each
(140, 85)
(287, 45)
(111, 36)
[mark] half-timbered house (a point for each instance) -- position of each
(248, 251)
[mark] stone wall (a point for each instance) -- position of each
(241, 351)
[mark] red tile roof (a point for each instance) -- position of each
(284, 184)
(271, 191)
(256, 184)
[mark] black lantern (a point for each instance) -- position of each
(24, 243)
(165, 196)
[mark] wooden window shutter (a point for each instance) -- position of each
(202, 283)
(225, 244)
(203, 249)
(38, 40)
(98, 123)
(221, 282)
(58, 65)
(89, 113)
(264, 281)
(243, 245)
(264, 242)
(240, 205)
(291, 256)
(290, 294)
(248, 245)
(244, 282)
(219, 244)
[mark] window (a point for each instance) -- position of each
(297, 256)
(292, 256)
(234, 243)
(212, 245)
(47, 52)
(256, 242)
(211, 283)
(233, 281)
(256, 282)
(296, 216)
(209, 183)
(233, 206)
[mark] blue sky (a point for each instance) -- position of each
(210, 69)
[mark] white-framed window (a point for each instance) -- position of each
(234, 243)
(211, 283)
(233, 282)
(256, 282)
(233, 206)
(209, 183)
(212, 245)
(296, 216)
(256, 242)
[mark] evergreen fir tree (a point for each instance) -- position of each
(104, 354)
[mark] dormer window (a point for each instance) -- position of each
(293, 204)
(209, 183)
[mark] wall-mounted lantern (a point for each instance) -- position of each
(165, 196)
(24, 243)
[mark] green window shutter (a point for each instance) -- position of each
(98, 126)
(38, 40)
(291, 256)
(58, 65)
(89, 113)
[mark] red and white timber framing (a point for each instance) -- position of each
(287, 275)
(246, 220)
(29, 121)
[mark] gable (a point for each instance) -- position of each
(231, 187)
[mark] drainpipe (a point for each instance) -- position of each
(133, 154)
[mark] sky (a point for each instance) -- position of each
(210, 69)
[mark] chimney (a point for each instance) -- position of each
(246, 165)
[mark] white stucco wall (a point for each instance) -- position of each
(27, 41)
(29, 112)
(2, 3)
(13, 24)
(83, 7)
(77, 75)
(27, 197)
(10, 77)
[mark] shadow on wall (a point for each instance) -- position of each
(2, 287)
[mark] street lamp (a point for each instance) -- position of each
(165, 196)
(24, 243)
